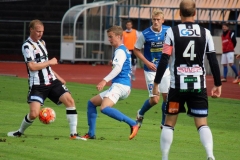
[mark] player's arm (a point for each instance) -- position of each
(137, 51)
(233, 38)
(28, 54)
(213, 63)
(33, 66)
(137, 48)
(59, 77)
(117, 63)
(163, 63)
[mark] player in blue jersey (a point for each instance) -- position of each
(152, 40)
(119, 90)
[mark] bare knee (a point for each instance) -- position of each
(34, 110)
(200, 121)
(154, 100)
(67, 100)
(33, 114)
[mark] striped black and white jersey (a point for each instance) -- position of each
(187, 44)
(37, 52)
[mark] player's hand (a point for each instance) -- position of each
(53, 61)
(101, 85)
(238, 56)
(216, 91)
(151, 66)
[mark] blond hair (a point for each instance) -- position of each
(157, 12)
(117, 30)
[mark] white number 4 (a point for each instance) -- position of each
(191, 47)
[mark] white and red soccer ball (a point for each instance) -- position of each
(47, 115)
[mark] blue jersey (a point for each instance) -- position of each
(153, 45)
(124, 77)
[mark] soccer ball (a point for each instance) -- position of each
(47, 115)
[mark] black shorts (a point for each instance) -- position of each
(53, 91)
(196, 100)
(134, 58)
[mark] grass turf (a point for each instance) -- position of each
(52, 141)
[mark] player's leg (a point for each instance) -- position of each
(92, 115)
(173, 107)
(149, 77)
(60, 94)
(198, 108)
(164, 88)
(36, 98)
(205, 134)
(166, 137)
(163, 108)
(230, 57)
(134, 65)
(115, 93)
(224, 62)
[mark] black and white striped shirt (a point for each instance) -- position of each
(37, 52)
(187, 44)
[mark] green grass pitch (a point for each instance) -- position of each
(47, 142)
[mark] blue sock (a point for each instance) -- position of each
(225, 71)
(163, 112)
(146, 106)
(92, 116)
(234, 70)
(116, 114)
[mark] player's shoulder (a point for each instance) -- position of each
(207, 31)
(121, 48)
(165, 27)
(27, 42)
(145, 31)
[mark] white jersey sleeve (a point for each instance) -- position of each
(28, 52)
(118, 61)
(210, 44)
(140, 41)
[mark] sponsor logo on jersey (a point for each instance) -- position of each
(155, 61)
(156, 46)
(196, 70)
(189, 33)
(156, 50)
(225, 41)
(190, 79)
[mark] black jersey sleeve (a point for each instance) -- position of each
(233, 38)
(162, 66)
(213, 62)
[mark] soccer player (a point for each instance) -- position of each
(44, 82)
(152, 39)
(130, 36)
(229, 42)
(187, 44)
(119, 90)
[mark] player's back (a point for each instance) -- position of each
(190, 43)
